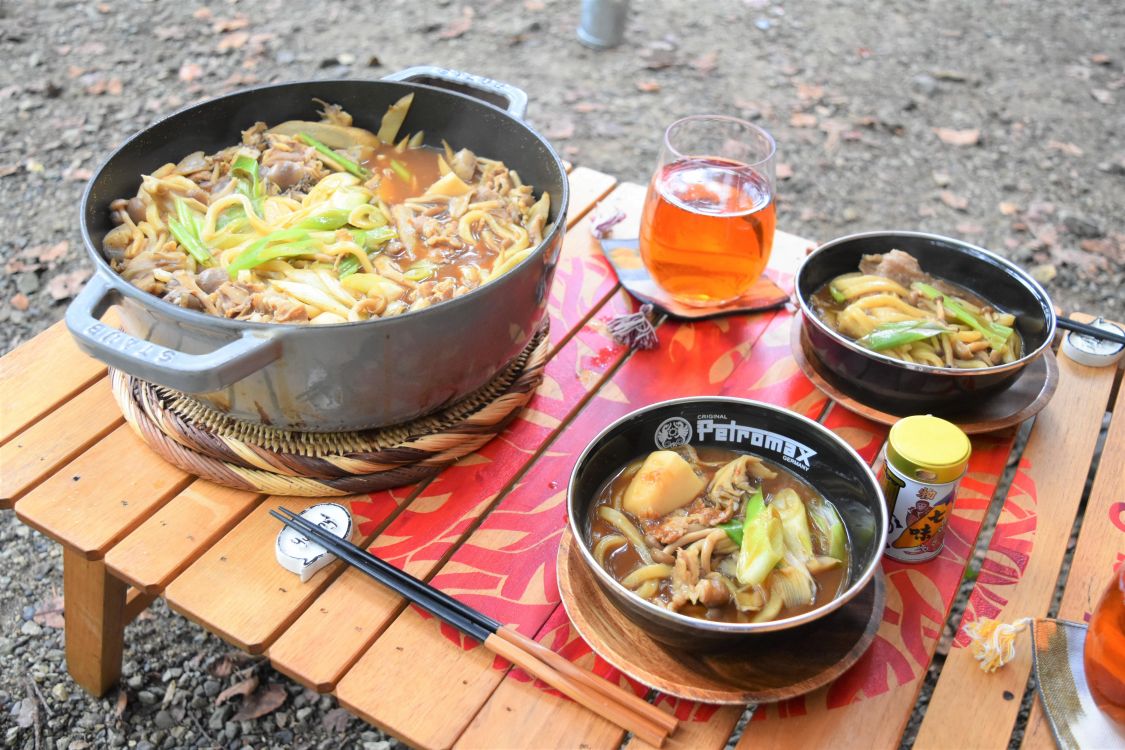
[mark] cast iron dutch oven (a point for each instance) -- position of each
(892, 383)
(331, 377)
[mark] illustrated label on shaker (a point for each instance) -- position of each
(925, 460)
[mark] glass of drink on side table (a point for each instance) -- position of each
(710, 212)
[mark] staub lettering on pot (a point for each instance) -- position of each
(125, 343)
(732, 432)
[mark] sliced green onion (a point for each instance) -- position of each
(185, 230)
(341, 161)
(333, 218)
(420, 271)
(370, 240)
(284, 243)
(401, 170)
(245, 170)
(996, 333)
(900, 333)
(837, 294)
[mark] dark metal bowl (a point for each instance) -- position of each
(804, 447)
(903, 386)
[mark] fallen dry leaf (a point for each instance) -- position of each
(336, 720)
(784, 171)
(809, 93)
(649, 87)
(243, 687)
(114, 87)
(659, 58)
(458, 26)
(66, 285)
(222, 668)
(78, 174)
(706, 63)
(966, 227)
(202, 14)
(260, 703)
(73, 71)
(1069, 149)
(953, 137)
(233, 40)
(585, 107)
(954, 201)
(189, 72)
(802, 120)
(122, 702)
(224, 25)
(1112, 247)
(1007, 208)
(1100, 58)
(9, 169)
(1044, 272)
(533, 5)
(560, 129)
(50, 612)
(104, 8)
(20, 302)
(48, 253)
(165, 33)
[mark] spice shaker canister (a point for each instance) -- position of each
(924, 461)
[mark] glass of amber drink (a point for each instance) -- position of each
(1104, 651)
(710, 213)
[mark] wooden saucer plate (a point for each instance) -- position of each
(1022, 400)
(771, 667)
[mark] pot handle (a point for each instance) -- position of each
(515, 99)
(193, 373)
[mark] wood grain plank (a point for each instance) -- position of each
(39, 375)
(237, 590)
(92, 502)
(1099, 552)
(34, 454)
(1018, 575)
(176, 534)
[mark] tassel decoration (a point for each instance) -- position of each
(634, 330)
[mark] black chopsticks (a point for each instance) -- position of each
(1089, 330)
(600, 696)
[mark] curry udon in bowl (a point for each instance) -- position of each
(707, 520)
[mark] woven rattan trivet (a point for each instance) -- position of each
(255, 457)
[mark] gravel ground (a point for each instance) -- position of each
(997, 122)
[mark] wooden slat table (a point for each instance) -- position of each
(487, 531)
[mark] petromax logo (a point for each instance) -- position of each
(672, 433)
(731, 432)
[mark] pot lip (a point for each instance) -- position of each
(680, 621)
(187, 315)
(810, 318)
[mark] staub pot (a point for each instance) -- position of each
(332, 377)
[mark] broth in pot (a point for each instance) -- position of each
(720, 535)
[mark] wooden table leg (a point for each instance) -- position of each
(95, 622)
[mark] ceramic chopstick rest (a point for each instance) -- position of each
(299, 554)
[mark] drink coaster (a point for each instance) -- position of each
(1020, 401)
(625, 257)
(259, 458)
(765, 668)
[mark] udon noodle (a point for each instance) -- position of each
(719, 535)
(323, 222)
(892, 307)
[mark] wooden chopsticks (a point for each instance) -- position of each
(604, 698)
